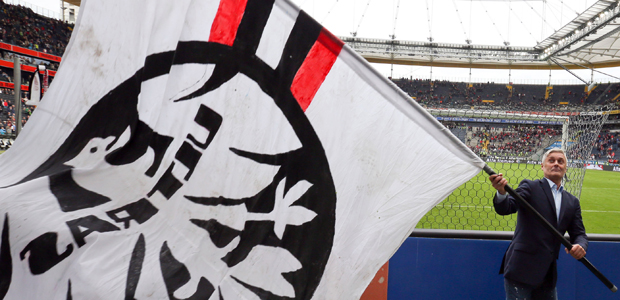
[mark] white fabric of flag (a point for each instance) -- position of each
(206, 149)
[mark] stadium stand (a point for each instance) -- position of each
(606, 147)
(20, 26)
(503, 140)
(7, 112)
(444, 94)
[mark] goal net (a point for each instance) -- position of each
(512, 143)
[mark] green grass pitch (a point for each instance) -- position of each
(470, 206)
(600, 202)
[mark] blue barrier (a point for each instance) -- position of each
(444, 268)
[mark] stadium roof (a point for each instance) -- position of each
(588, 41)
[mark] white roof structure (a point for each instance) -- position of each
(591, 39)
(588, 41)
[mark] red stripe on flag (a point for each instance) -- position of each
(226, 22)
(315, 68)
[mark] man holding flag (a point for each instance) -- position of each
(529, 265)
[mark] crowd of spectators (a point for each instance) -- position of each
(6, 91)
(20, 26)
(7, 111)
(25, 60)
(529, 141)
(6, 76)
(606, 146)
(447, 94)
(511, 140)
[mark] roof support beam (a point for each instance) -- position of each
(567, 70)
(594, 70)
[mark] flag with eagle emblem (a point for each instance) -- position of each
(215, 149)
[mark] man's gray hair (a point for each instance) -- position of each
(552, 151)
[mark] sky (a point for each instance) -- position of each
(484, 22)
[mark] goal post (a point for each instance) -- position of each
(511, 143)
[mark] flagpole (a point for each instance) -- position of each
(554, 231)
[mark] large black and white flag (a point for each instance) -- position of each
(207, 149)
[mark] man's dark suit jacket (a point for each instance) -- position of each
(534, 249)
